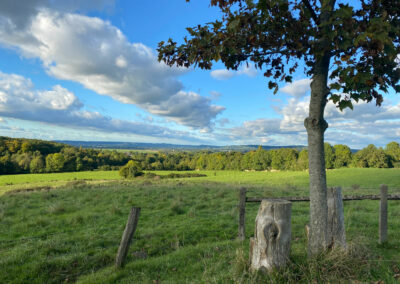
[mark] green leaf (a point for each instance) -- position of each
(345, 104)
(335, 86)
(335, 98)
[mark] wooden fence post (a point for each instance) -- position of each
(270, 247)
(383, 212)
(127, 236)
(336, 230)
(242, 213)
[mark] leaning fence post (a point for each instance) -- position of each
(242, 212)
(127, 236)
(383, 212)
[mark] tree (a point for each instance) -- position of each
(371, 157)
(37, 164)
(54, 162)
(393, 151)
(342, 156)
(302, 161)
(329, 156)
(356, 47)
(131, 170)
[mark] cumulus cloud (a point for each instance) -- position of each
(247, 70)
(21, 15)
(223, 121)
(96, 54)
(364, 125)
(298, 88)
(224, 74)
(58, 106)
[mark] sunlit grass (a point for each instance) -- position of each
(186, 231)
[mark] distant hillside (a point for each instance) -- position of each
(165, 146)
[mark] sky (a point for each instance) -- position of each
(88, 70)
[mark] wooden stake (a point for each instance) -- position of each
(336, 231)
(383, 211)
(127, 236)
(242, 212)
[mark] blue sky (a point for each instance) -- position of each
(88, 70)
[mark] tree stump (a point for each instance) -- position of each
(270, 247)
(336, 230)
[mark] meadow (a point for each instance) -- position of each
(187, 229)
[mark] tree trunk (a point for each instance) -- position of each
(316, 126)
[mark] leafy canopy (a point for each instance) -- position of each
(363, 43)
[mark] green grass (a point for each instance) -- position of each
(35, 178)
(186, 231)
(345, 177)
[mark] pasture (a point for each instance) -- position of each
(186, 231)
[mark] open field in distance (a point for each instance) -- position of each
(366, 178)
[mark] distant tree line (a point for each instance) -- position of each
(36, 156)
(337, 156)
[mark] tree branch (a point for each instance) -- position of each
(310, 8)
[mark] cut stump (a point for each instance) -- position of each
(270, 247)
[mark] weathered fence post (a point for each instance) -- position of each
(127, 236)
(242, 212)
(336, 229)
(270, 247)
(383, 212)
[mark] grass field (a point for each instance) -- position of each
(186, 231)
(368, 179)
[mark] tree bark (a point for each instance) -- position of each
(316, 125)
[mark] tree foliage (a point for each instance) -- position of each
(275, 35)
(131, 170)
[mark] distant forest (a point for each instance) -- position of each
(19, 156)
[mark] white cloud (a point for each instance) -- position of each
(247, 70)
(96, 54)
(21, 15)
(364, 125)
(223, 121)
(298, 88)
(20, 100)
(215, 95)
(224, 74)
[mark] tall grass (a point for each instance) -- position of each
(186, 234)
